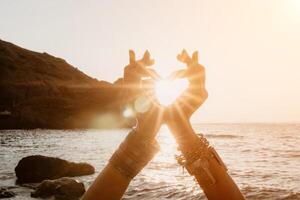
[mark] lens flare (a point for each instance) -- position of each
(128, 112)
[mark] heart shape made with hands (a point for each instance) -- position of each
(165, 91)
(168, 90)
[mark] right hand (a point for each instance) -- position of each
(178, 114)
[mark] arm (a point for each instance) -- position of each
(110, 184)
(128, 160)
(138, 148)
(200, 159)
(216, 184)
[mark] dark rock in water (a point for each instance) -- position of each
(79, 169)
(37, 168)
(5, 193)
(61, 189)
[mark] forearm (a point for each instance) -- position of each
(109, 185)
(224, 186)
(127, 161)
(206, 166)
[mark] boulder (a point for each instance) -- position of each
(36, 168)
(62, 189)
(5, 193)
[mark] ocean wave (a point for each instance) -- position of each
(263, 166)
(223, 136)
(182, 193)
(270, 193)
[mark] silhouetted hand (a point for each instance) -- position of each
(133, 74)
(179, 113)
(139, 146)
(195, 95)
(142, 101)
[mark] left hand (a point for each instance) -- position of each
(148, 112)
(133, 73)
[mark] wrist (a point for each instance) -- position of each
(133, 154)
(197, 158)
(183, 133)
(193, 145)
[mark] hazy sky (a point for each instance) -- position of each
(251, 48)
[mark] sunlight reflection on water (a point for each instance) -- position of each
(262, 159)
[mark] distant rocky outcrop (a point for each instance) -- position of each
(38, 90)
(61, 189)
(36, 168)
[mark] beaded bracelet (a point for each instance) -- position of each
(133, 154)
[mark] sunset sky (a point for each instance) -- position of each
(251, 48)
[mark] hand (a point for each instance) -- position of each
(195, 95)
(133, 74)
(179, 113)
(146, 109)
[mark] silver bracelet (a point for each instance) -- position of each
(133, 154)
(195, 158)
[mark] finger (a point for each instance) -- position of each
(152, 74)
(131, 57)
(148, 84)
(130, 72)
(184, 57)
(148, 73)
(148, 87)
(146, 56)
(195, 57)
(146, 60)
(178, 74)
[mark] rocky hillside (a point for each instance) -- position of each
(38, 90)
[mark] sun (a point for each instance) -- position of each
(167, 91)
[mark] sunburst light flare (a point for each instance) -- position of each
(167, 90)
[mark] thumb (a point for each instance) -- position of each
(131, 57)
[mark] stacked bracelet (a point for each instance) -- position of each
(195, 158)
(133, 154)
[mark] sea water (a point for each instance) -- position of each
(263, 159)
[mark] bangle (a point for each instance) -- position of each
(196, 159)
(133, 154)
